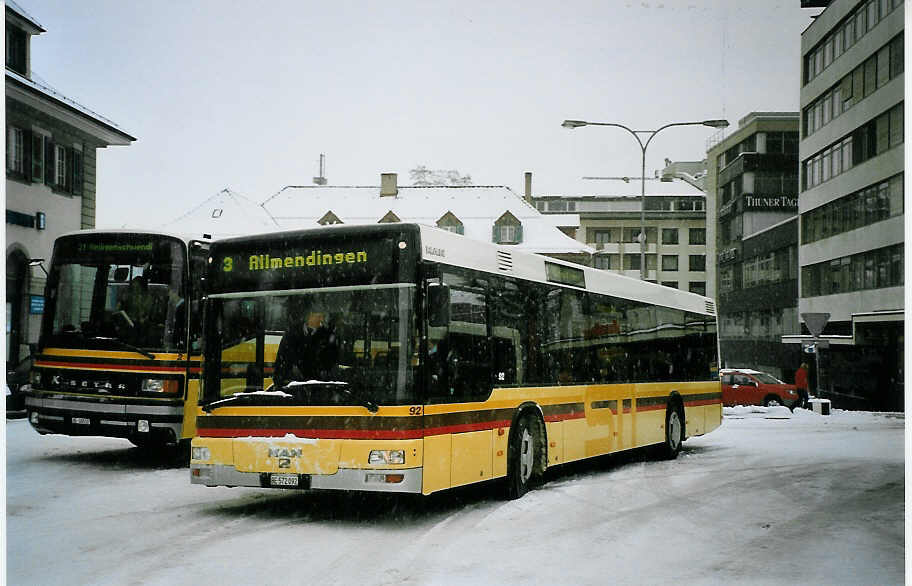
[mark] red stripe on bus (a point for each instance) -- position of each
(703, 402)
(86, 366)
(354, 433)
(565, 416)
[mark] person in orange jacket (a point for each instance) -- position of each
(801, 384)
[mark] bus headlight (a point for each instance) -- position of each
(199, 453)
(158, 385)
(386, 457)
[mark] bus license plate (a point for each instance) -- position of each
(82, 421)
(283, 479)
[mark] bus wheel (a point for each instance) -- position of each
(522, 458)
(674, 432)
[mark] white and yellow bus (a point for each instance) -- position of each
(404, 358)
(119, 351)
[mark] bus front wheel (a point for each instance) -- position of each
(523, 457)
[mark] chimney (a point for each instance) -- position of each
(528, 186)
(388, 185)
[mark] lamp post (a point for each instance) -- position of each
(650, 134)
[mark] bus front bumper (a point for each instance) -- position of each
(408, 480)
(79, 417)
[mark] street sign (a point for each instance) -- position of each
(809, 348)
(815, 322)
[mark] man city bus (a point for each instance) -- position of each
(405, 358)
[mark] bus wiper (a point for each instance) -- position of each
(335, 385)
(123, 344)
(255, 397)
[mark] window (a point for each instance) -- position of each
(698, 287)
(602, 236)
(631, 234)
(669, 235)
(507, 230)
(631, 262)
(672, 284)
(451, 223)
(560, 205)
(697, 262)
(669, 262)
(16, 47)
(60, 159)
(507, 234)
(607, 261)
(15, 150)
(883, 65)
(37, 157)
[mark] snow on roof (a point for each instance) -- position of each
(43, 88)
(18, 11)
(227, 213)
(477, 207)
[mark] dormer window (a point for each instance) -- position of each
(451, 223)
(328, 219)
(389, 218)
(507, 230)
(16, 50)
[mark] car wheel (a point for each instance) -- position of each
(772, 401)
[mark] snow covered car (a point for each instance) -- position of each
(744, 386)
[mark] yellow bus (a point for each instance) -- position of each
(405, 358)
(119, 351)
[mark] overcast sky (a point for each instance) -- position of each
(246, 95)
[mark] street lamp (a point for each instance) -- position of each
(571, 124)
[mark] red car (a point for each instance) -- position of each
(743, 386)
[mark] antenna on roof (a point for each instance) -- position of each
(321, 180)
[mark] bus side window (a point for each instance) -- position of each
(459, 354)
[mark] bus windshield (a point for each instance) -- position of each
(352, 345)
(117, 292)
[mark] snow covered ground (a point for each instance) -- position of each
(805, 499)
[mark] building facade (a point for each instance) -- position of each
(752, 193)
(851, 250)
(675, 221)
(50, 177)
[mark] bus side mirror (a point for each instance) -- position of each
(438, 305)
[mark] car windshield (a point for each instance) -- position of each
(767, 379)
(348, 346)
(122, 292)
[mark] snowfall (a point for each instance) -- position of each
(768, 498)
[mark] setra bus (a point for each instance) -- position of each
(119, 350)
(405, 358)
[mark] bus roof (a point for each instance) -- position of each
(443, 246)
(186, 238)
(454, 249)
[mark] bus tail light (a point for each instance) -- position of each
(169, 386)
(385, 478)
(386, 457)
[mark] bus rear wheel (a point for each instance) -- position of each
(674, 432)
(522, 460)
